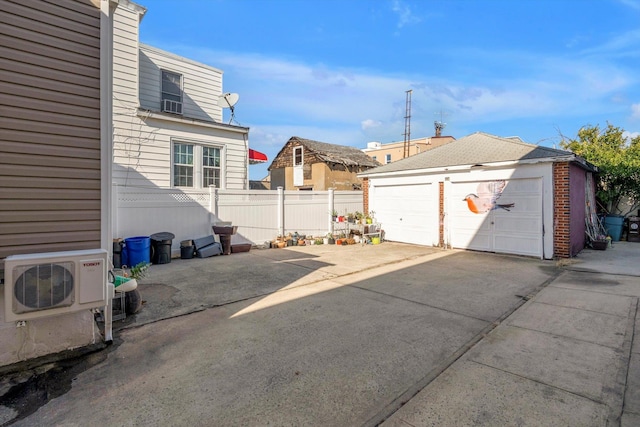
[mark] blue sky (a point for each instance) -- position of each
(337, 70)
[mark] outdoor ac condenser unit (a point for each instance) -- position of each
(48, 284)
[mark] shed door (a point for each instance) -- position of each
(517, 230)
(408, 213)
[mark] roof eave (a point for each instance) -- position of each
(458, 168)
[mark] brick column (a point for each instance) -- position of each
(365, 195)
(561, 211)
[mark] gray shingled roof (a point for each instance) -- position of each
(475, 149)
(332, 153)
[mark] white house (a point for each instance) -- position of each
(168, 127)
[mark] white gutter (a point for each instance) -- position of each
(409, 172)
(148, 114)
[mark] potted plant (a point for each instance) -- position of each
(318, 241)
(351, 218)
(334, 215)
(369, 217)
(359, 216)
(330, 239)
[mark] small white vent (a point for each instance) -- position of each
(170, 106)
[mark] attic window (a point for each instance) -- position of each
(297, 156)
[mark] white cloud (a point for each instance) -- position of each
(630, 135)
(370, 124)
(634, 4)
(281, 97)
(635, 111)
(405, 16)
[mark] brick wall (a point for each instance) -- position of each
(365, 194)
(561, 211)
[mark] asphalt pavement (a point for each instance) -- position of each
(363, 335)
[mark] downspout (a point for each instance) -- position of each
(107, 10)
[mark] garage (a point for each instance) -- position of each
(407, 212)
(486, 193)
(514, 228)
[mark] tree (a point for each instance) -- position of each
(618, 161)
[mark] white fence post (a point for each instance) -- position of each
(330, 196)
(280, 211)
(114, 211)
(213, 203)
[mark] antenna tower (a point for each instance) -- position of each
(407, 125)
(439, 125)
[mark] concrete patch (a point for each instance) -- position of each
(598, 328)
(579, 367)
(329, 358)
(592, 301)
(630, 420)
(632, 394)
(635, 348)
(597, 282)
(469, 394)
(479, 285)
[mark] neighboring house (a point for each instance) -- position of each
(303, 164)
(486, 193)
(168, 125)
(387, 153)
(55, 161)
(263, 184)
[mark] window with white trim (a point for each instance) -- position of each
(387, 158)
(297, 156)
(196, 165)
(171, 86)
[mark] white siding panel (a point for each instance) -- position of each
(202, 85)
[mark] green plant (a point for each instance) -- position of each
(618, 160)
(139, 270)
(318, 241)
(359, 215)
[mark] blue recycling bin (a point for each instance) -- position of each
(138, 250)
(613, 224)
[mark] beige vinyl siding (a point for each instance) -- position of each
(50, 194)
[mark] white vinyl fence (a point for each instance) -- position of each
(260, 215)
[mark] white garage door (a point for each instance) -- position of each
(515, 229)
(408, 213)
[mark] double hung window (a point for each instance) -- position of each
(196, 165)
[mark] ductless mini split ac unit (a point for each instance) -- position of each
(48, 284)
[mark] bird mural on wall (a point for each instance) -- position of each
(484, 200)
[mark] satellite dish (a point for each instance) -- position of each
(228, 100)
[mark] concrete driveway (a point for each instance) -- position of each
(318, 335)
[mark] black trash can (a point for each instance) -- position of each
(161, 247)
(225, 241)
(117, 253)
(187, 249)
